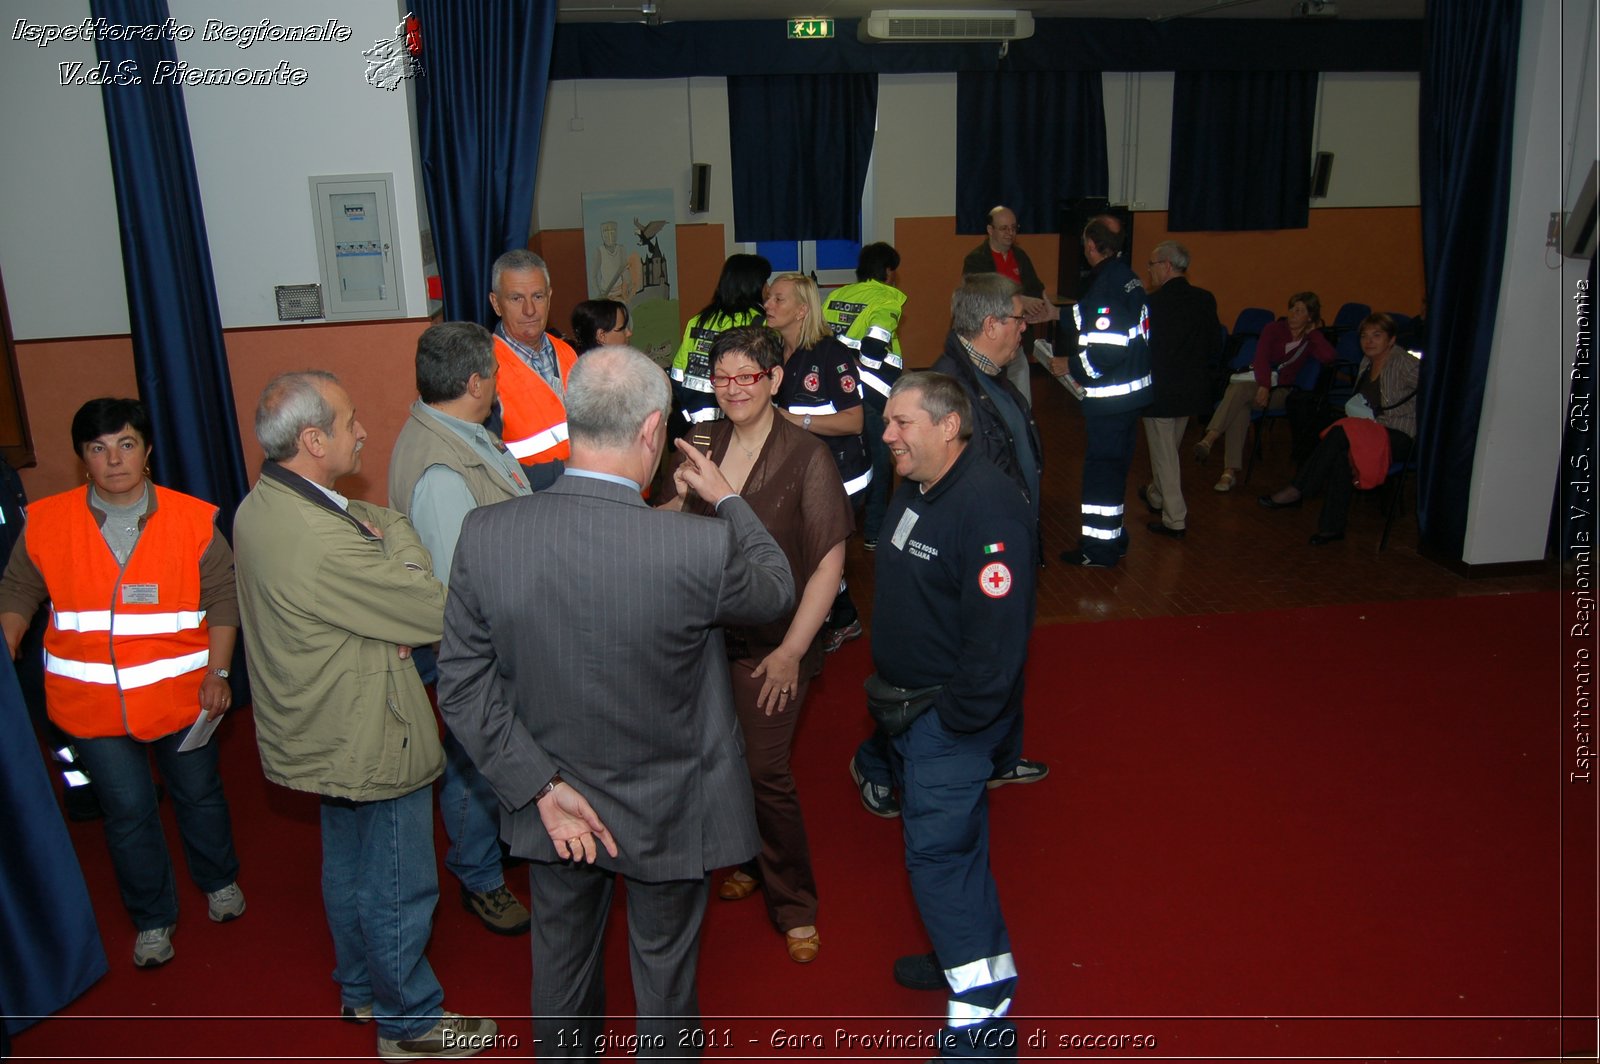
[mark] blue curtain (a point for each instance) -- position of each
(1241, 150)
(480, 109)
(52, 950)
(1031, 140)
(178, 353)
(1469, 84)
(800, 147)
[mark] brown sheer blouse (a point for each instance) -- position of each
(795, 490)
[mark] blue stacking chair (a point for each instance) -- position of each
(1307, 380)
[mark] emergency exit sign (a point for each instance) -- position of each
(810, 28)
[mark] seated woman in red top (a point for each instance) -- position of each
(1285, 347)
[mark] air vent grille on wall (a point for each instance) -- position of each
(911, 25)
(298, 302)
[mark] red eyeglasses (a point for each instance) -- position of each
(743, 380)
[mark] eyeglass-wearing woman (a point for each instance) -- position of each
(790, 481)
(142, 626)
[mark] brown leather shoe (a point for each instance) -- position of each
(803, 950)
(738, 888)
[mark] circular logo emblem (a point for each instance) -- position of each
(848, 383)
(1102, 323)
(995, 580)
(813, 382)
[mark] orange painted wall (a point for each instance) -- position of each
(374, 361)
(1368, 255)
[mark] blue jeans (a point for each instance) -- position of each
(467, 803)
(120, 769)
(471, 813)
(379, 886)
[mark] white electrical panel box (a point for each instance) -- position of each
(356, 249)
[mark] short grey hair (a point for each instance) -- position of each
(610, 393)
(517, 260)
(941, 395)
(290, 404)
(1172, 253)
(448, 354)
(981, 296)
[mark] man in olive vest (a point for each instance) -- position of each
(444, 465)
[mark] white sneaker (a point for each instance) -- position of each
(226, 904)
(153, 947)
(453, 1036)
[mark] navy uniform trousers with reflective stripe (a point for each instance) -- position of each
(945, 813)
(1108, 452)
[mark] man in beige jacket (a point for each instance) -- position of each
(333, 593)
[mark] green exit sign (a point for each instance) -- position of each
(810, 29)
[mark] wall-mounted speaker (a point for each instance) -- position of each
(700, 188)
(1321, 173)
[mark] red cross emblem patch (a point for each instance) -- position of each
(813, 382)
(995, 580)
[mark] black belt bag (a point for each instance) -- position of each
(895, 708)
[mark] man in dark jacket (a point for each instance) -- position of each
(986, 329)
(1000, 254)
(1112, 365)
(1185, 337)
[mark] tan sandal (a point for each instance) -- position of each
(1227, 482)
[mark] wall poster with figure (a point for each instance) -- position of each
(631, 249)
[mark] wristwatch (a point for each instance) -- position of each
(220, 672)
(805, 422)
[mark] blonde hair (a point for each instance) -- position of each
(813, 328)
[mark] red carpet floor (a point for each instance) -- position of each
(1328, 833)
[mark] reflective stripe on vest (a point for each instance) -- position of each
(872, 380)
(537, 443)
(1108, 391)
(878, 332)
(858, 483)
(128, 642)
(705, 413)
(814, 411)
(131, 678)
(534, 416)
(127, 623)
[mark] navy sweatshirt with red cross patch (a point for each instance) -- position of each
(955, 592)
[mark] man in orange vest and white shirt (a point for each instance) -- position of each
(533, 367)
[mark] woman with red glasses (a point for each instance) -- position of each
(789, 479)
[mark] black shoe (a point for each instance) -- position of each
(920, 971)
(1144, 497)
(81, 804)
(1320, 539)
(1077, 557)
(1162, 530)
(1272, 504)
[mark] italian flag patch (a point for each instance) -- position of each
(995, 548)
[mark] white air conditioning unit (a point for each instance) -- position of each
(924, 26)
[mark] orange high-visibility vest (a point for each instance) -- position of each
(127, 645)
(535, 417)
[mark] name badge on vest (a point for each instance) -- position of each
(902, 531)
(141, 594)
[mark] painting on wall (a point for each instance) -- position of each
(631, 255)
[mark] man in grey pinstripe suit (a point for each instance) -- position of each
(583, 670)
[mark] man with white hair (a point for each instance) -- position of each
(334, 592)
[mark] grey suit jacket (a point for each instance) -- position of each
(582, 634)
